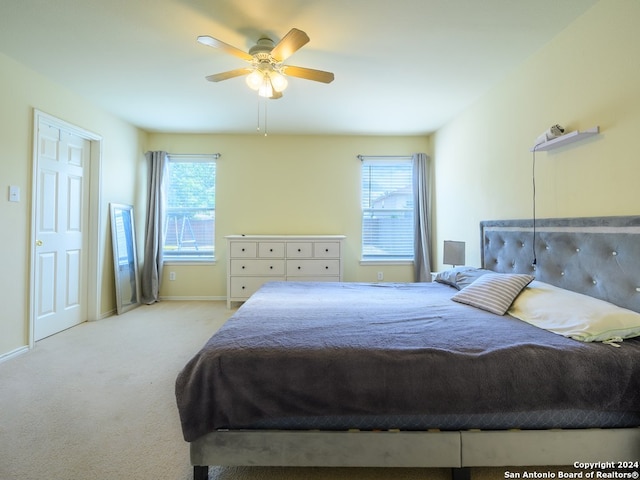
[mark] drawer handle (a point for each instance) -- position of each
(271, 249)
(326, 249)
(243, 267)
(299, 250)
(271, 267)
(326, 268)
(243, 287)
(243, 249)
(299, 268)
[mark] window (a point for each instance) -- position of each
(387, 209)
(190, 209)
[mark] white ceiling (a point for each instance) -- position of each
(401, 66)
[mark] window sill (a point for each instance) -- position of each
(386, 262)
(189, 261)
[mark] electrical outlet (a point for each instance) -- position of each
(380, 276)
(172, 276)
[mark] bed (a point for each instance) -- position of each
(412, 375)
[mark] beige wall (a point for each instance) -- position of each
(284, 184)
(22, 90)
(589, 75)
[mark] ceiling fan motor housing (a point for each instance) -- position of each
(262, 49)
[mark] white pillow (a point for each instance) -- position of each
(574, 315)
(493, 292)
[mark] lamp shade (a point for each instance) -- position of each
(278, 81)
(453, 253)
(255, 79)
(266, 89)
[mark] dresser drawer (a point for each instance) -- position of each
(243, 249)
(257, 267)
(299, 250)
(312, 267)
(271, 250)
(326, 250)
(244, 287)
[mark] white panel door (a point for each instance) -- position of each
(61, 218)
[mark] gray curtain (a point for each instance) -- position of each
(422, 219)
(152, 268)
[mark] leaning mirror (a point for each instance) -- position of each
(125, 263)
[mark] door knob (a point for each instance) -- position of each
(38, 243)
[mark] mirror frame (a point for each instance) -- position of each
(123, 238)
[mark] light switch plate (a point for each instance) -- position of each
(14, 193)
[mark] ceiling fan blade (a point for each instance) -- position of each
(218, 77)
(275, 95)
(308, 74)
(289, 44)
(215, 43)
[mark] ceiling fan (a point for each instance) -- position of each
(267, 72)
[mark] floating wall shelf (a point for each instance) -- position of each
(566, 139)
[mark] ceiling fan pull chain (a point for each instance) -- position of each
(258, 127)
(265, 116)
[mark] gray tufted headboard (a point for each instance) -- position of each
(596, 256)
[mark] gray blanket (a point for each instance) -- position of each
(318, 349)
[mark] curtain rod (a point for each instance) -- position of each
(362, 157)
(195, 155)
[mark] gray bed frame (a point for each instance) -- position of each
(598, 256)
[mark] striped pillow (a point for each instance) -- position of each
(494, 292)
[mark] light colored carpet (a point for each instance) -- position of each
(97, 402)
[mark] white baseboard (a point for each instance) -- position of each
(203, 298)
(107, 314)
(14, 353)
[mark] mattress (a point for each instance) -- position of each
(353, 355)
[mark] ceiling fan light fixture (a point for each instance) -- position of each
(266, 89)
(255, 80)
(278, 81)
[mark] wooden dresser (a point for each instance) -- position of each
(256, 259)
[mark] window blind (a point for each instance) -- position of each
(387, 208)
